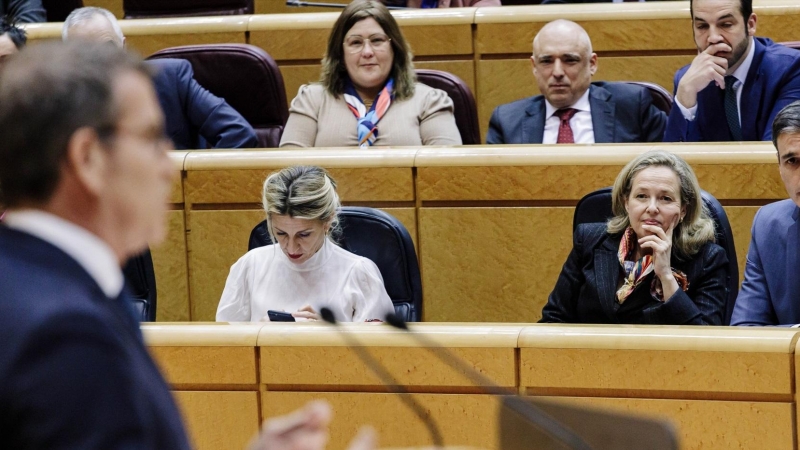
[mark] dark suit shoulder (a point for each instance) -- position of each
(589, 236)
(518, 106)
(169, 64)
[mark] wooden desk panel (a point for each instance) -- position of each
(219, 420)
(719, 425)
(491, 264)
(222, 367)
(464, 420)
(172, 272)
(658, 362)
(339, 368)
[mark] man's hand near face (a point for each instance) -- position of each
(704, 69)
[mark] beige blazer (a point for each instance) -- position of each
(317, 119)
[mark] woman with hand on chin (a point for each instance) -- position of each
(305, 270)
(368, 94)
(655, 262)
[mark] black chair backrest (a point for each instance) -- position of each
(246, 77)
(140, 277)
(463, 102)
(58, 10)
(373, 234)
(662, 99)
(139, 9)
(596, 207)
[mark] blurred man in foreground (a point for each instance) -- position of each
(85, 173)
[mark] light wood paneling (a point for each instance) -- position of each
(646, 373)
(741, 181)
(709, 425)
(465, 420)
(292, 45)
(340, 367)
(741, 219)
(172, 273)
(295, 76)
(148, 44)
(353, 185)
(462, 69)
(439, 39)
(491, 264)
(217, 239)
(540, 182)
(218, 420)
(207, 365)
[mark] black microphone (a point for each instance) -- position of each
(391, 384)
(512, 399)
(298, 3)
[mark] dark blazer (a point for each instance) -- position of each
(23, 11)
(74, 371)
(773, 82)
(192, 112)
(621, 112)
(770, 293)
(586, 289)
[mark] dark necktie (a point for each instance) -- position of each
(565, 135)
(731, 109)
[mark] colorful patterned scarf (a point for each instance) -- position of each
(636, 271)
(368, 120)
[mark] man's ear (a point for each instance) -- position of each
(593, 63)
(87, 159)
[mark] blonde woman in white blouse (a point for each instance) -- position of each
(305, 270)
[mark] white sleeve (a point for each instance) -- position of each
(234, 306)
(688, 113)
(371, 300)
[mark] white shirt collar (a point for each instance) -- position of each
(741, 72)
(581, 105)
(94, 255)
(316, 261)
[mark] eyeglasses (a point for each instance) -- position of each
(378, 43)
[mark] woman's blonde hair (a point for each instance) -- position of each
(303, 192)
(334, 71)
(689, 235)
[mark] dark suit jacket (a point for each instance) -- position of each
(773, 82)
(621, 112)
(74, 372)
(586, 289)
(23, 11)
(770, 293)
(192, 112)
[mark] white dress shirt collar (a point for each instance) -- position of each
(89, 251)
(316, 261)
(581, 105)
(741, 72)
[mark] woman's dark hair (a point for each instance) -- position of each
(334, 71)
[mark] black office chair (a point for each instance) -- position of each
(596, 207)
(373, 234)
(140, 277)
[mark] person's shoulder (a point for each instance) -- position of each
(620, 88)
(425, 94)
(169, 65)
(780, 211)
(591, 234)
(259, 255)
(356, 263)
(518, 106)
(772, 49)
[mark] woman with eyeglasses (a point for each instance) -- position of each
(368, 94)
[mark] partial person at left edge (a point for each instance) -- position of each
(23, 11)
(12, 39)
(193, 115)
(85, 172)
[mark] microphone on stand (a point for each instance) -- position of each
(511, 399)
(391, 384)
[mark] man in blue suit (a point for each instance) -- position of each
(572, 109)
(770, 293)
(737, 83)
(194, 115)
(85, 173)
